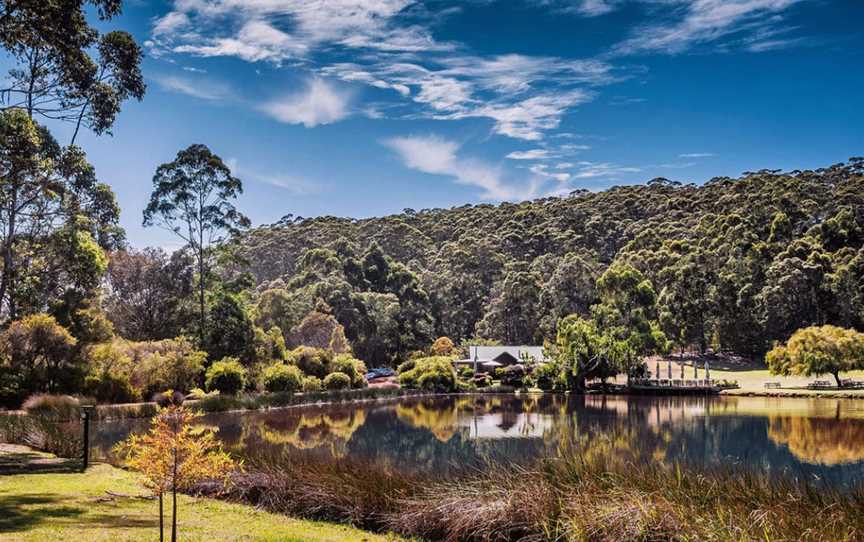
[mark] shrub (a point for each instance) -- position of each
(110, 388)
(226, 375)
(40, 352)
(281, 377)
(311, 384)
(482, 380)
(466, 372)
(61, 407)
(354, 368)
(406, 366)
(149, 366)
(430, 374)
(337, 381)
(313, 361)
(514, 375)
(547, 376)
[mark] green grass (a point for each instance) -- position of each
(77, 506)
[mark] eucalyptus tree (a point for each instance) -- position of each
(56, 219)
(193, 198)
(54, 75)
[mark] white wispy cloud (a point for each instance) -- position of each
(438, 156)
(523, 96)
(320, 103)
(391, 46)
(702, 21)
(697, 155)
(248, 29)
(532, 154)
(256, 41)
(291, 183)
(589, 170)
(541, 171)
(197, 87)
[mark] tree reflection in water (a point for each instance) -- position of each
(448, 434)
(820, 441)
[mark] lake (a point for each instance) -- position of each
(820, 439)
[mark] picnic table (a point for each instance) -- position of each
(772, 386)
(819, 384)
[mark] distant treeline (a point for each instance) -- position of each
(736, 264)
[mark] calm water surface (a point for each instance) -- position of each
(812, 438)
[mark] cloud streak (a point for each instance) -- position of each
(438, 156)
(197, 88)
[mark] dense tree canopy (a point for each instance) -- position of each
(732, 264)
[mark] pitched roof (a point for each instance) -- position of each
(517, 351)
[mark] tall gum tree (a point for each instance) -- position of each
(192, 197)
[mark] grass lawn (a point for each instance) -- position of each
(751, 378)
(73, 506)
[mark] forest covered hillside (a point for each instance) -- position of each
(734, 264)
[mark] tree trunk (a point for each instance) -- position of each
(174, 501)
(161, 520)
(837, 379)
(174, 515)
(7, 286)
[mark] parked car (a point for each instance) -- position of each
(379, 372)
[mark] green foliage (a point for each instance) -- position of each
(819, 350)
(584, 352)
(231, 332)
(148, 366)
(227, 376)
(354, 368)
(547, 377)
(311, 384)
(281, 378)
(337, 381)
(112, 388)
(516, 376)
(407, 365)
(192, 197)
(55, 76)
(718, 256)
(312, 361)
(37, 356)
(270, 345)
(434, 374)
(49, 244)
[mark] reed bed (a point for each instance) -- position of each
(570, 498)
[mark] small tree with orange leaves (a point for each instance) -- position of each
(174, 456)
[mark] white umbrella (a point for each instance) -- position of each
(492, 364)
(707, 373)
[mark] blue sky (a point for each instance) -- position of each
(365, 107)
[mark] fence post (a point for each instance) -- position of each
(85, 419)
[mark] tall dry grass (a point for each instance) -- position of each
(571, 498)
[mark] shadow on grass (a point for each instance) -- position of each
(15, 517)
(23, 512)
(34, 462)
